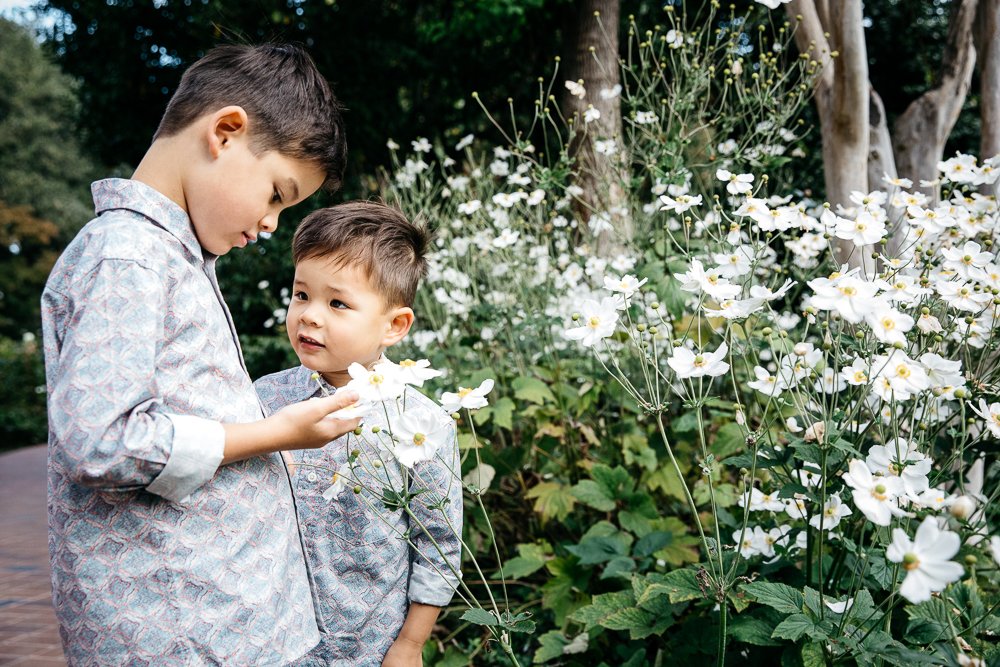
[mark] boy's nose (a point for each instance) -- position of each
(307, 317)
(269, 223)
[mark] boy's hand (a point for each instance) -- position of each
(307, 425)
(404, 653)
(303, 425)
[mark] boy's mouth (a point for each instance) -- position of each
(311, 342)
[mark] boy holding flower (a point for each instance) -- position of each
(380, 508)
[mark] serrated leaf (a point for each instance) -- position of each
(552, 500)
(652, 542)
(503, 413)
(594, 495)
(551, 646)
(794, 627)
(729, 440)
(754, 630)
(600, 549)
(618, 566)
(682, 585)
(601, 607)
(480, 617)
(779, 597)
(532, 389)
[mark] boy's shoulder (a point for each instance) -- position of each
(291, 385)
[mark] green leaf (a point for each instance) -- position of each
(503, 413)
(812, 655)
(752, 629)
(594, 495)
(552, 500)
(681, 585)
(595, 550)
(794, 627)
(779, 597)
(728, 440)
(601, 607)
(617, 481)
(531, 559)
(652, 542)
(617, 567)
(686, 423)
(480, 617)
(517, 622)
(550, 646)
(533, 390)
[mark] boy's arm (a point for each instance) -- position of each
(407, 649)
(110, 426)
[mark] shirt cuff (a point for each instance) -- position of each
(196, 453)
(430, 587)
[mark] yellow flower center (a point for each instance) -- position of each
(848, 291)
(903, 371)
(419, 439)
(910, 562)
(376, 379)
(879, 491)
(407, 363)
(464, 391)
(888, 323)
(594, 322)
(699, 360)
(861, 226)
(860, 376)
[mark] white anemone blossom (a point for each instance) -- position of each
(899, 458)
(926, 559)
(469, 399)
(418, 436)
(688, 364)
(711, 282)
(374, 385)
(874, 496)
(599, 321)
(409, 371)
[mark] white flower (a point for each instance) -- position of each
(470, 207)
(411, 372)
(611, 93)
(536, 197)
(736, 263)
(737, 184)
(645, 118)
(760, 501)
(833, 511)
(898, 458)
(687, 364)
(578, 645)
(839, 607)
(864, 229)
(889, 325)
(675, 39)
(506, 239)
(418, 436)
(874, 496)
(421, 145)
(464, 142)
(772, 4)
(995, 548)
(926, 559)
(897, 377)
(849, 296)
(991, 413)
(959, 169)
(679, 205)
(767, 384)
(600, 223)
(337, 483)
(627, 285)
(966, 259)
(599, 321)
(392, 145)
(373, 385)
(470, 399)
(606, 146)
(898, 182)
(591, 114)
(576, 89)
(711, 282)
(731, 309)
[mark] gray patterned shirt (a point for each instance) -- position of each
(159, 554)
(365, 573)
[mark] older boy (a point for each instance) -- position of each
(357, 267)
(172, 527)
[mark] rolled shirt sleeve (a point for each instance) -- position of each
(112, 430)
(432, 581)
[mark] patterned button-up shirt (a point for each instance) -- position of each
(365, 573)
(159, 554)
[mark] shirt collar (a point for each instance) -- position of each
(124, 194)
(304, 386)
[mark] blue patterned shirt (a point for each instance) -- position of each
(159, 554)
(365, 573)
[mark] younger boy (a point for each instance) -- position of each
(172, 528)
(357, 267)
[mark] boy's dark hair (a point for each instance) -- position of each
(378, 238)
(291, 106)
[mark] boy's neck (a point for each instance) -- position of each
(337, 379)
(159, 169)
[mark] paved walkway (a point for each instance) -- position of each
(28, 631)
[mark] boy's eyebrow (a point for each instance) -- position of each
(290, 184)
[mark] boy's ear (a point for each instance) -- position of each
(401, 319)
(226, 124)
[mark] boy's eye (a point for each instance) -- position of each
(338, 304)
(276, 197)
(301, 296)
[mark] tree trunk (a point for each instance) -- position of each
(595, 61)
(921, 132)
(842, 101)
(987, 36)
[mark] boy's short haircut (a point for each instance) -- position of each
(290, 105)
(378, 238)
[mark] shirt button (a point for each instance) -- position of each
(312, 477)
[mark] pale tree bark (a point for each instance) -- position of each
(595, 60)
(832, 34)
(920, 133)
(987, 39)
